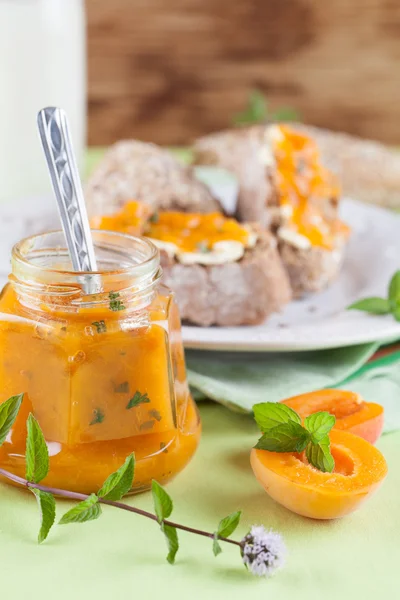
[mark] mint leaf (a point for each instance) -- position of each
(319, 455)
(396, 313)
(394, 291)
(47, 507)
(288, 437)
(216, 546)
(373, 305)
(8, 413)
(88, 510)
(228, 525)
(285, 113)
(319, 425)
(115, 302)
(98, 416)
(255, 112)
(119, 483)
(162, 502)
(270, 414)
(37, 455)
(137, 399)
(171, 536)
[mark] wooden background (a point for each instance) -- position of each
(170, 70)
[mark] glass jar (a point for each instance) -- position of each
(42, 63)
(104, 374)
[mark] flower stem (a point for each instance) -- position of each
(121, 505)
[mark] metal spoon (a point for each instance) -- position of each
(57, 145)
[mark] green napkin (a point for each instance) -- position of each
(240, 380)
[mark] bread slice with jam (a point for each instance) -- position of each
(222, 272)
(285, 188)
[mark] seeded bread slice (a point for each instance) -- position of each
(247, 153)
(245, 292)
(133, 170)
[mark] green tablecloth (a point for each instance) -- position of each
(122, 555)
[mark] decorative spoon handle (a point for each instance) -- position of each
(57, 145)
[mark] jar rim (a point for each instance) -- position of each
(149, 263)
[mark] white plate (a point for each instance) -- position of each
(322, 321)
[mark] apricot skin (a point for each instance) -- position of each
(352, 413)
(360, 468)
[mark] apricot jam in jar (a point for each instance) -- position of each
(104, 374)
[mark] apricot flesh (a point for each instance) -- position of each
(352, 413)
(288, 478)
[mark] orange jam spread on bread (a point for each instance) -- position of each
(189, 232)
(192, 232)
(131, 219)
(308, 192)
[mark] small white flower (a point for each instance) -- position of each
(263, 551)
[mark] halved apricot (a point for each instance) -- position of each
(352, 413)
(290, 480)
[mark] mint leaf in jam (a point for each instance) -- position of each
(37, 455)
(163, 447)
(319, 425)
(137, 399)
(119, 483)
(171, 537)
(162, 501)
(146, 426)
(88, 510)
(122, 388)
(47, 507)
(270, 414)
(8, 413)
(98, 416)
(319, 455)
(115, 302)
(228, 525)
(100, 326)
(155, 414)
(373, 305)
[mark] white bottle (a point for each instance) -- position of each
(42, 63)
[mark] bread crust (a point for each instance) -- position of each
(133, 170)
(245, 292)
(313, 269)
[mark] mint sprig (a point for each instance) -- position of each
(113, 489)
(283, 432)
(376, 305)
(257, 111)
